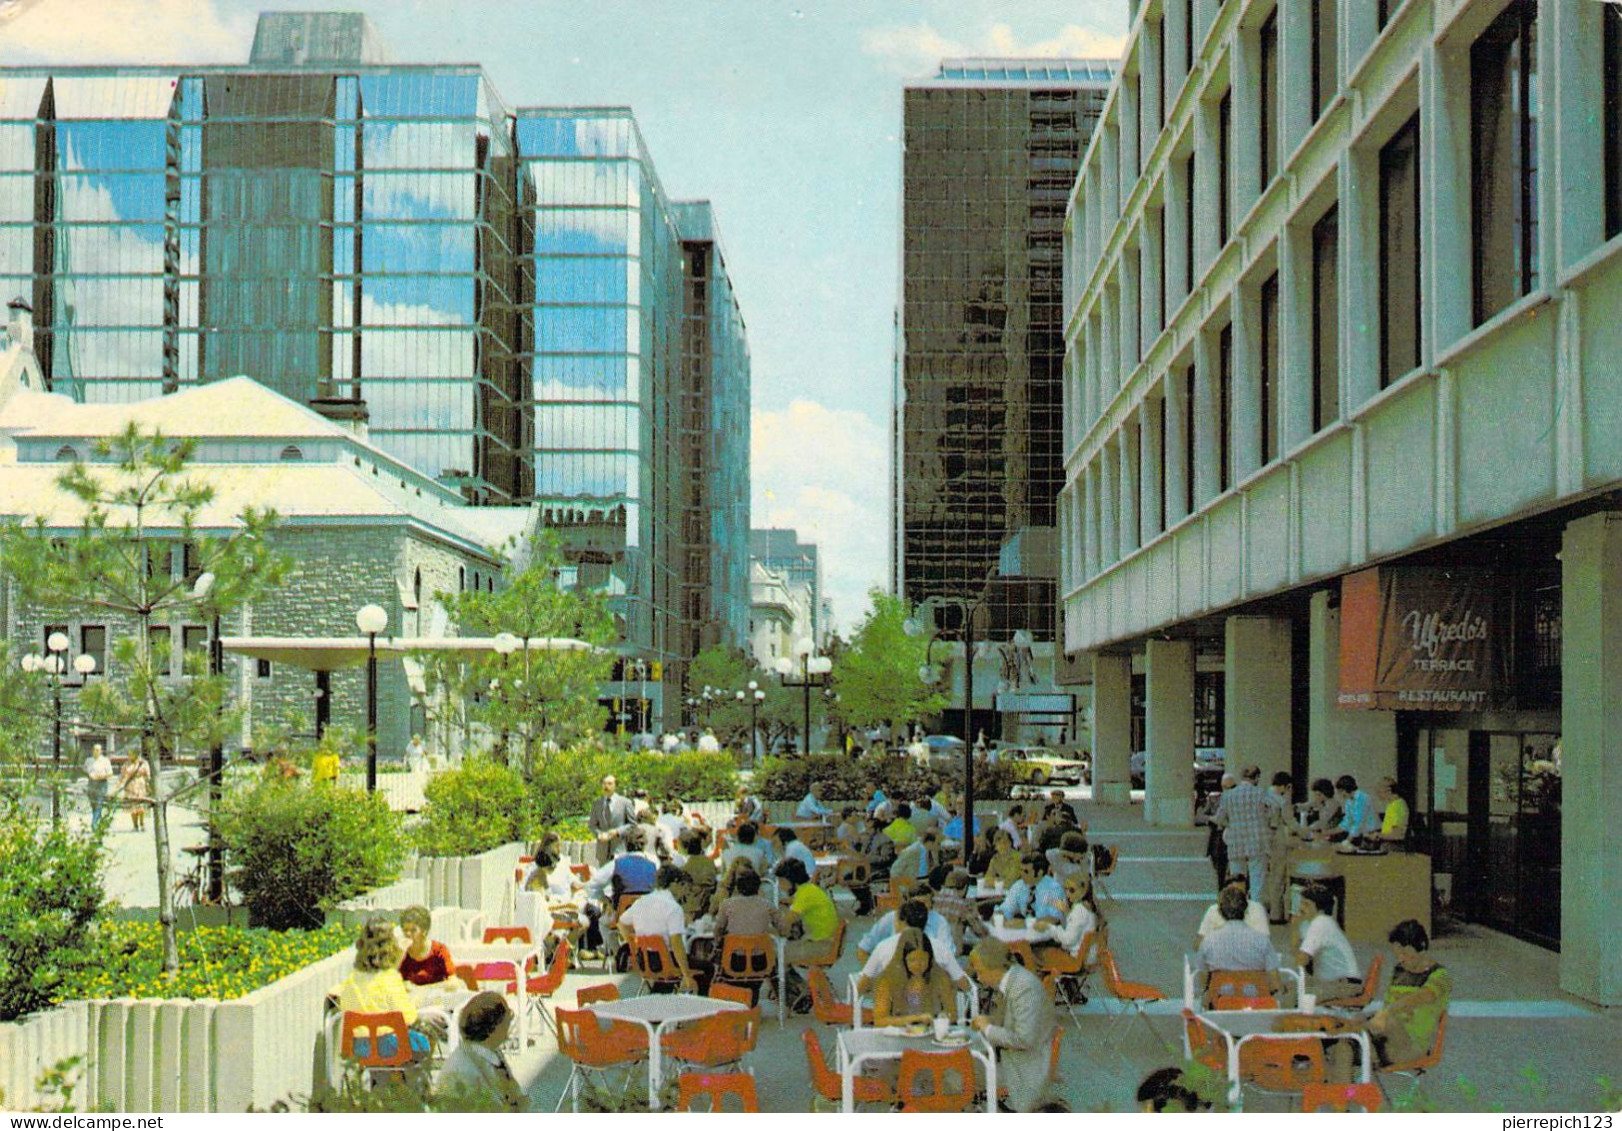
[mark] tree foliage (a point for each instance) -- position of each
(50, 896)
(136, 507)
(876, 676)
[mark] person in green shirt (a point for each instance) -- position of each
(1394, 824)
(901, 830)
(811, 916)
(1405, 1028)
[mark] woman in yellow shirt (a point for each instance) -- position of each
(375, 985)
(1394, 825)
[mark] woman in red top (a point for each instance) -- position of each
(426, 963)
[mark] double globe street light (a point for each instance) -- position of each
(55, 664)
(754, 697)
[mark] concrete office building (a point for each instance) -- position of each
(991, 150)
(1341, 412)
(501, 295)
(782, 553)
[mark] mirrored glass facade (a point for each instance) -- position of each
(991, 152)
(506, 297)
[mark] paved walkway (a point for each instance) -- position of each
(1508, 1014)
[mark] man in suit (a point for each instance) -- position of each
(1020, 1024)
(611, 815)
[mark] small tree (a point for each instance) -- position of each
(877, 674)
(136, 506)
(539, 696)
(23, 722)
(728, 671)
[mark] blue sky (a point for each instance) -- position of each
(786, 115)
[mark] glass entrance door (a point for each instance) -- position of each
(1516, 834)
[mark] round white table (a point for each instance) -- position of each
(655, 1013)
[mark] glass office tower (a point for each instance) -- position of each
(991, 151)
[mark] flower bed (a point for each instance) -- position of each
(223, 963)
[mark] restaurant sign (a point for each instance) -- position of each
(1418, 639)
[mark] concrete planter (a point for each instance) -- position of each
(482, 883)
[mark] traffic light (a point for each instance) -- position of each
(658, 672)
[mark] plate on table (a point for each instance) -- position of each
(954, 1039)
(917, 1029)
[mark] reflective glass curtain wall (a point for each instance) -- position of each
(987, 170)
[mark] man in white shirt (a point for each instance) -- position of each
(1010, 825)
(878, 946)
(1255, 913)
(659, 914)
(1324, 948)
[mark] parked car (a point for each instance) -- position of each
(1039, 765)
(1209, 763)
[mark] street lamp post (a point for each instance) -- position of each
(505, 644)
(809, 665)
(914, 627)
(371, 620)
(55, 665)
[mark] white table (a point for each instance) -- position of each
(518, 955)
(968, 1002)
(655, 1013)
(1018, 934)
(1237, 1026)
(858, 1046)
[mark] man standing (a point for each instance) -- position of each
(98, 772)
(416, 754)
(1216, 844)
(1249, 812)
(1020, 1024)
(611, 815)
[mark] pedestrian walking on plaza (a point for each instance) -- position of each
(135, 783)
(1216, 847)
(98, 772)
(1275, 895)
(1248, 813)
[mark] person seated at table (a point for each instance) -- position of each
(1255, 913)
(913, 988)
(1036, 896)
(880, 850)
(791, 847)
(673, 820)
(980, 854)
(881, 807)
(746, 846)
(915, 861)
(698, 889)
(630, 872)
(851, 832)
(1394, 814)
(1404, 1027)
(1167, 1090)
(901, 831)
(746, 911)
(1357, 816)
(375, 985)
(549, 871)
(658, 914)
(1019, 1025)
(1081, 918)
(811, 807)
(426, 962)
(749, 809)
(952, 903)
(1005, 864)
(1236, 946)
(476, 1075)
(878, 946)
(923, 816)
(1324, 951)
(1072, 856)
(1012, 823)
(811, 918)
(1322, 810)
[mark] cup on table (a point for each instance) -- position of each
(1309, 1002)
(942, 1024)
(997, 920)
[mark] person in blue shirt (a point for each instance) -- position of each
(1035, 895)
(1356, 810)
(793, 848)
(887, 925)
(878, 801)
(811, 806)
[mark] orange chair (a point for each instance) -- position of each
(652, 961)
(1065, 974)
(723, 992)
(717, 1087)
(1022, 953)
(1371, 986)
(1252, 984)
(717, 1041)
(936, 1070)
(825, 1004)
(1226, 1003)
(1133, 996)
(581, 871)
(500, 971)
(596, 1050)
(826, 1083)
(386, 1045)
(591, 995)
(1053, 1056)
(468, 975)
(1202, 1045)
(888, 901)
(507, 935)
(1417, 1067)
(1341, 1097)
(835, 949)
(537, 988)
(1282, 1065)
(747, 960)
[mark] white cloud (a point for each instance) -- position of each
(916, 49)
(128, 31)
(824, 472)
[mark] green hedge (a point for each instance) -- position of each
(855, 779)
(296, 850)
(567, 782)
(473, 808)
(50, 895)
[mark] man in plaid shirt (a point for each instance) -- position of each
(1249, 813)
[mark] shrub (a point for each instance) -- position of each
(473, 808)
(566, 782)
(296, 851)
(50, 895)
(855, 779)
(215, 962)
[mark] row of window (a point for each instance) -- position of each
(162, 639)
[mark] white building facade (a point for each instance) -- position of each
(1342, 291)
